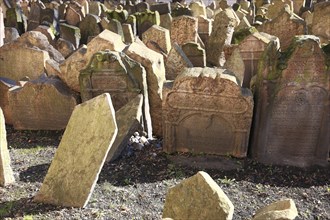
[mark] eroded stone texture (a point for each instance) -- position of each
(285, 26)
(236, 65)
(175, 62)
(128, 120)
(107, 73)
(79, 60)
(212, 99)
(153, 62)
(5, 86)
(195, 54)
(189, 199)
(89, 27)
(197, 9)
(292, 92)
(78, 161)
(281, 210)
(18, 62)
(184, 30)
(321, 21)
(222, 32)
(42, 104)
(6, 173)
(251, 49)
(158, 35)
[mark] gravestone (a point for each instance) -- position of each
(15, 18)
(5, 85)
(292, 95)
(89, 27)
(112, 25)
(34, 15)
(158, 35)
(142, 7)
(128, 120)
(204, 28)
(65, 47)
(93, 126)
(128, 33)
(195, 54)
(42, 104)
(6, 173)
(95, 8)
(145, 20)
(153, 63)
(274, 9)
(251, 49)
(222, 32)
(162, 8)
(184, 30)
(70, 33)
(107, 73)
(72, 17)
(285, 26)
(198, 9)
(235, 63)
(176, 62)
(71, 67)
(48, 32)
(321, 22)
(15, 68)
(11, 34)
(189, 199)
(2, 28)
(166, 21)
(211, 99)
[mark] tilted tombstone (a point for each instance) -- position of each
(184, 30)
(166, 21)
(321, 21)
(107, 73)
(162, 8)
(234, 62)
(112, 25)
(285, 26)
(176, 62)
(153, 63)
(128, 33)
(89, 27)
(34, 15)
(222, 32)
(95, 8)
(195, 54)
(198, 9)
(6, 173)
(158, 35)
(42, 104)
(15, 18)
(275, 8)
(204, 28)
(211, 99)
(292, 105)
(72, 17)
(82, 157)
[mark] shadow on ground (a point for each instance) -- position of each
(34, 173)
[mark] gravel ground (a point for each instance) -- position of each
(135, 186)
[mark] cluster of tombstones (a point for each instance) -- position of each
(214, 79)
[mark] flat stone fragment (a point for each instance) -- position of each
(6, 173)
(81, 154)
(198, 197)
(42, 104)
(128, 120)
(280, 210)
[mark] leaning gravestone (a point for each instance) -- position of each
(81, 154)
(212, 99)
(184, 30)
(6, 173)
(198, 197)
(292, 104)
(321, 21)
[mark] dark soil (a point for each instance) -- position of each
(135, 186)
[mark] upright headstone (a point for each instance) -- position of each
(70, 33)
(145, 20)
(204, 28)
(292, 96)
(42, 104)
(94, 128)
(222, 32)
(89, 27)
(285, 26)
(184, 30)
(211, 99)
(6, 173)
(321, 21)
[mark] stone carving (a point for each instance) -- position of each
(211, 99)
(292, 95)
(107, 73)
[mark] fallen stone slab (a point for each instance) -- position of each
(81, 154)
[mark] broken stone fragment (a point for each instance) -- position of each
(280, 210)
(189, 199)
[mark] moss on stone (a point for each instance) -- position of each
(240, 35)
